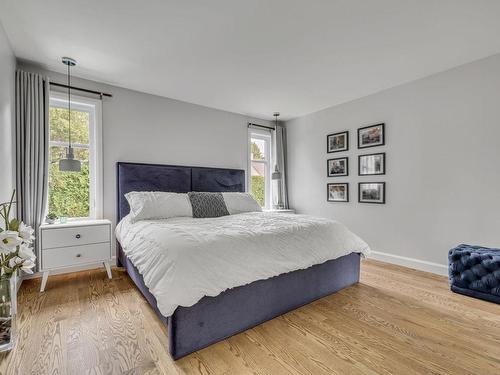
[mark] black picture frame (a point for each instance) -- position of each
(380, 201)
(346, 172)
(346, 148)
(364, 129)
(345, 184)
(372, 174)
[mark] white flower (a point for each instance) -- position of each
(15, 261)
(25, 252)
(26, 232)
(9, 240)
(27, 266)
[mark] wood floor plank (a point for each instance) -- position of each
(395, 321)
(397, 283)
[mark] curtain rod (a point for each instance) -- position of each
(80, 89)
(261, 126)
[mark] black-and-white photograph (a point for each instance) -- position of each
(338, 192)
(371, 164)
(337, 142)
(338, 167)
(371, 192)
(371, 136)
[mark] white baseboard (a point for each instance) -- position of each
(417, 264)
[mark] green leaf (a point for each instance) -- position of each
(14, 225)
(7, 269)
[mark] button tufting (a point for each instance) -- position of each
(476, 269)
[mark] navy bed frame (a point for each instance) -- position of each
(213, 319)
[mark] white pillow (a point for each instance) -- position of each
(146, 205)
(237, 203)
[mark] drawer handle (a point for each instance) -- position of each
(78, 235)
(78, 255)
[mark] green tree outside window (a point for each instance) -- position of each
(69, 192)
(258, 184)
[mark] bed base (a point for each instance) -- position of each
(213, 319)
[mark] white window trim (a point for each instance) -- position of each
(83, 103)
(267, 136)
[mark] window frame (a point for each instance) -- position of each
(267, 137)
(94, 108)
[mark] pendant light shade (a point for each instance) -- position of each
(69, 164)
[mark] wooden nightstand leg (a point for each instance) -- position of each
(108, 269)
(45, 276)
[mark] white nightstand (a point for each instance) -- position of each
(280, 211)
(75, 243)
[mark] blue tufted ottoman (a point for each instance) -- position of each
(475, 271)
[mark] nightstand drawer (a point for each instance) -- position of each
(70, 256)
(71, 236)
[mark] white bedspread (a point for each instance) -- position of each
(184, 259)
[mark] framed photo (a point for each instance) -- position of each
(371, 192)
(337, 192)
(337, 142)
(371, 136)
(338, 167)
(371, 164)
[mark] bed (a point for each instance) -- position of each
(215, 315)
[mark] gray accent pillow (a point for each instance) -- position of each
(207, 204)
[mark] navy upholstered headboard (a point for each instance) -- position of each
(173, 178)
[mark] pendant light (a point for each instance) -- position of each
(69, 164)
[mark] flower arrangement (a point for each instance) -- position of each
(16, 241)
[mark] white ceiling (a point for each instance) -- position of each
(254, 56)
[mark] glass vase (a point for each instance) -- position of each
(8, 306)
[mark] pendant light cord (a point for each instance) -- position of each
(69, 107)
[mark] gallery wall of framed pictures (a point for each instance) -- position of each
(369, 164)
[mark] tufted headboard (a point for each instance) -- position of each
(173, 178)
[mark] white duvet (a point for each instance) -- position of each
(184, 259)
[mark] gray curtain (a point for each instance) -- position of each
(32, 148)
(280, 147)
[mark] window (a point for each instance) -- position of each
(260, 166)
(75, 194)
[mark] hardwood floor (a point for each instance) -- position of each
(395, 321)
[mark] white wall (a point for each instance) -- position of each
(443, 165)
(7, 145)
(139, 127)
